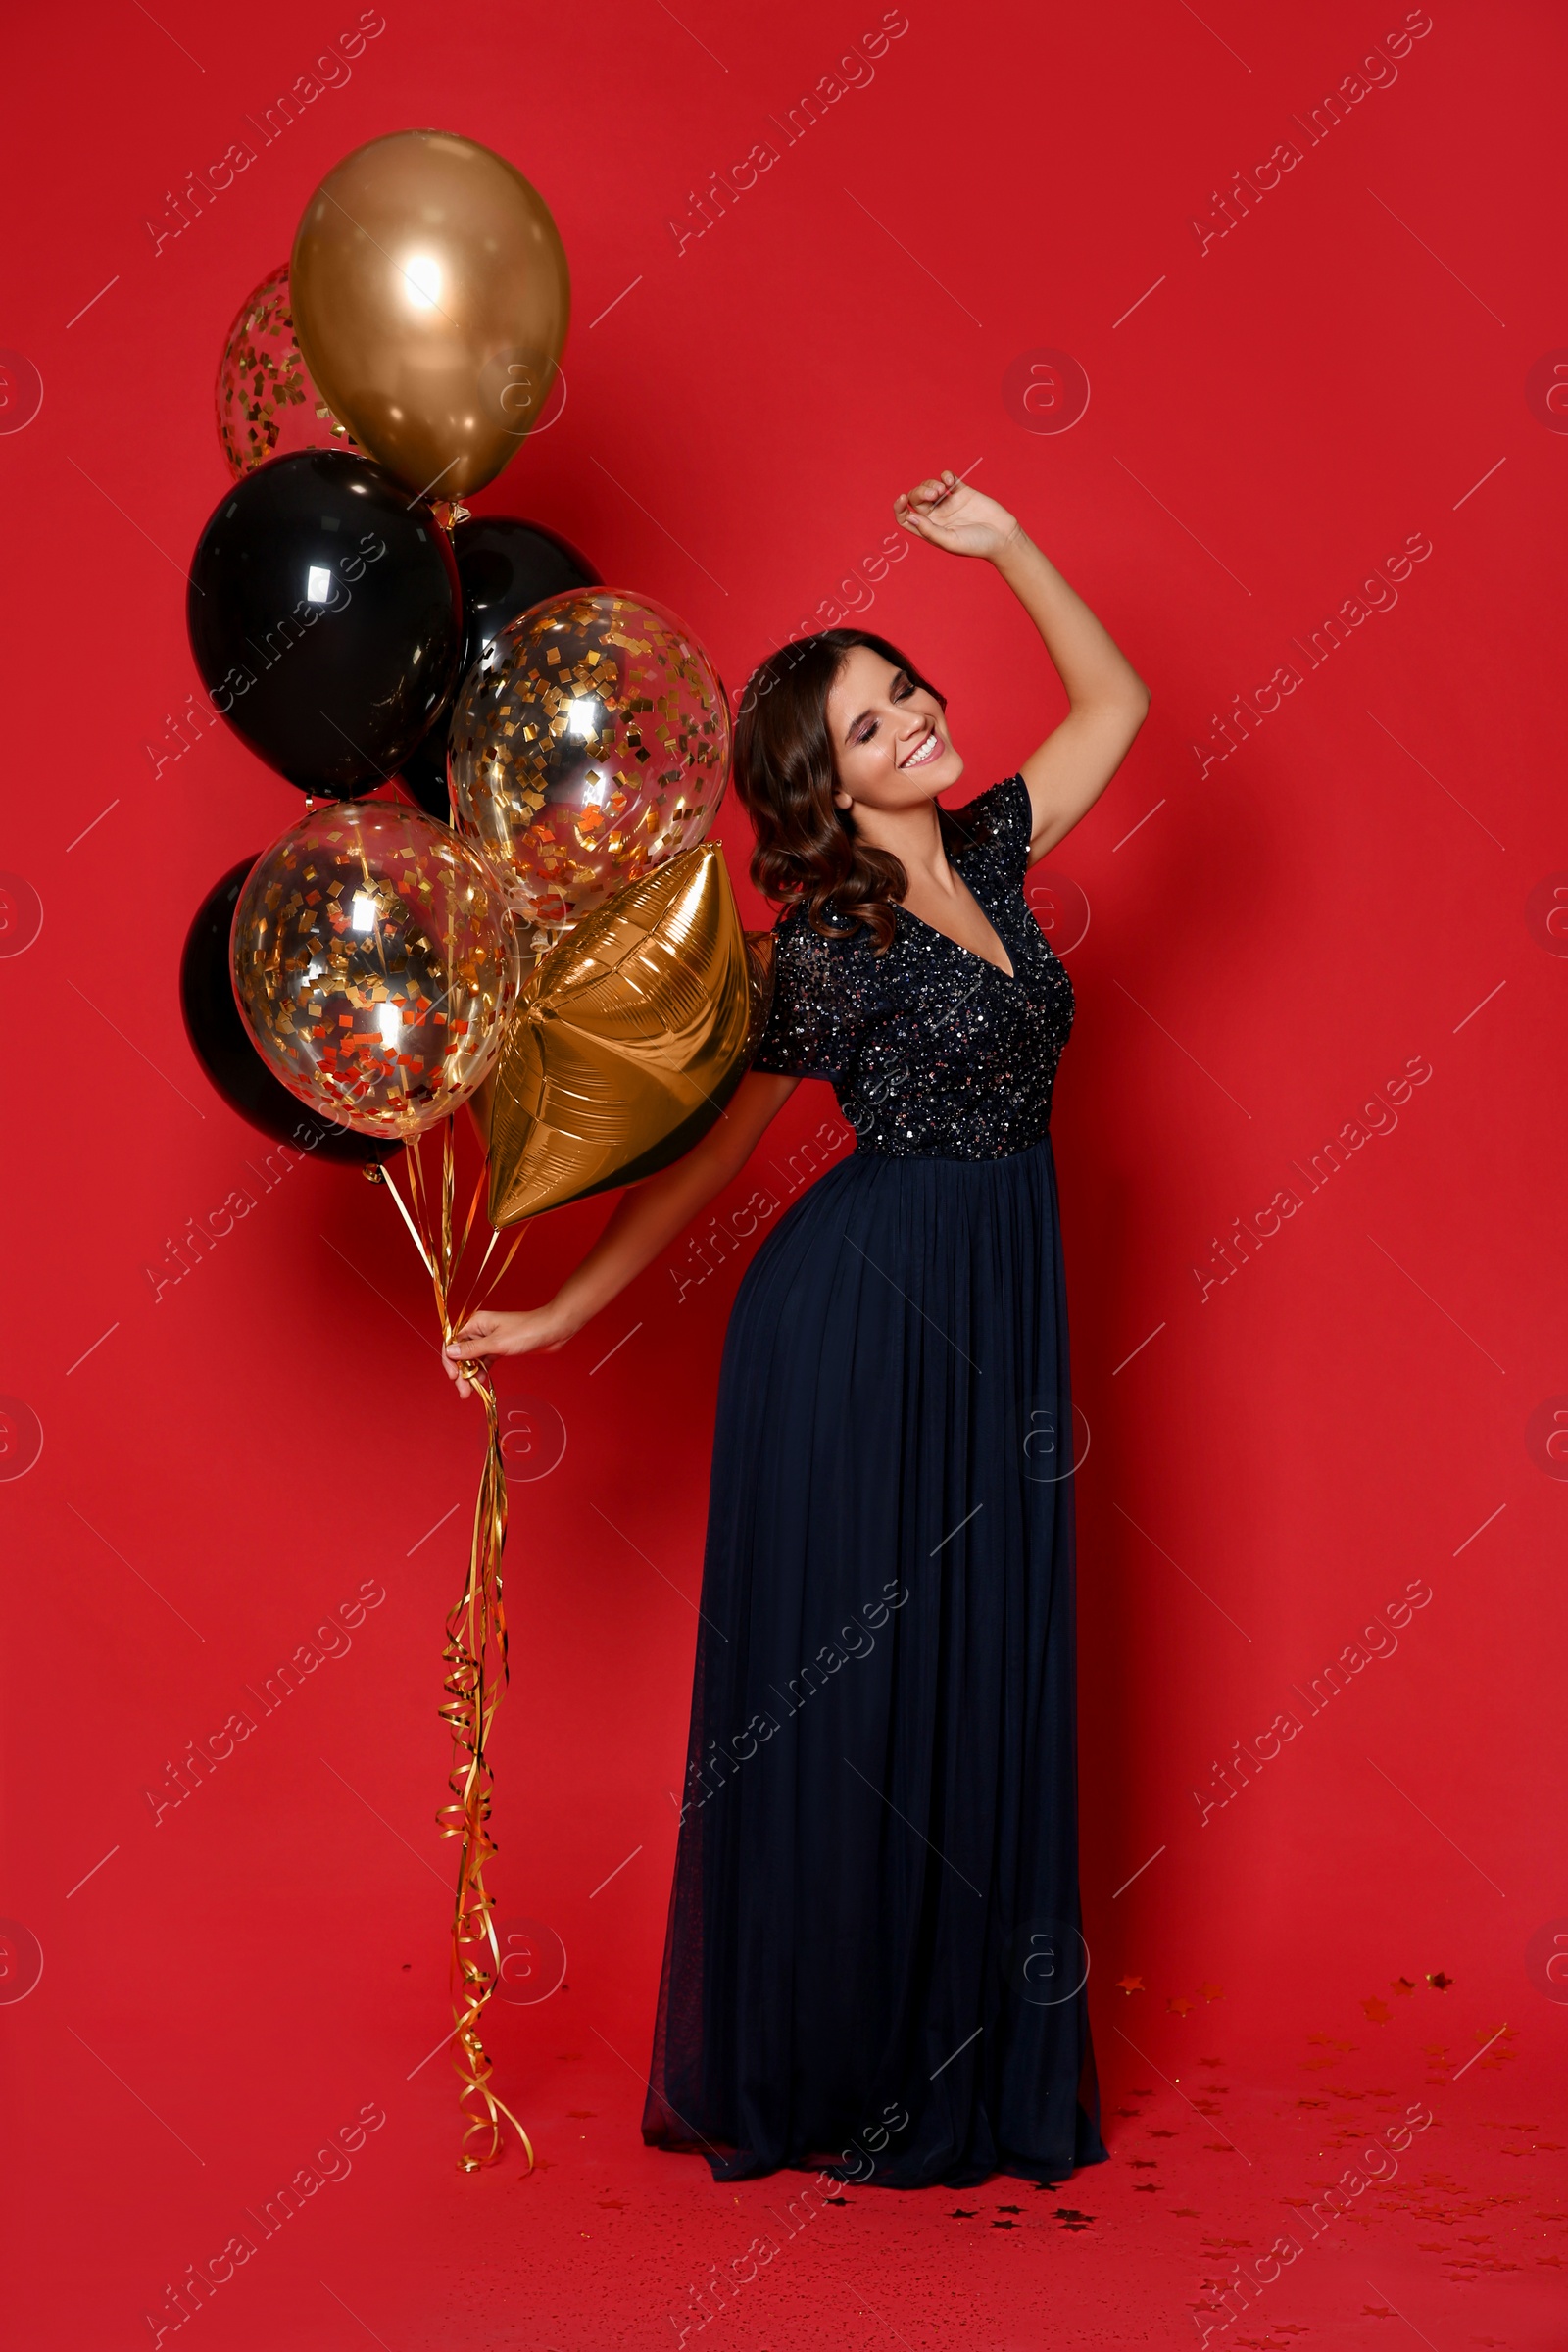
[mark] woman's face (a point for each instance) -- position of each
(891, 743)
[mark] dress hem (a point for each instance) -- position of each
(739, 2165)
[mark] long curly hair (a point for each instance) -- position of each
(809, 854)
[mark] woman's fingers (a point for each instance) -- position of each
(483, 1334)
(479, 1337)
(915, 510)
(489, 1332)
(455, 1354)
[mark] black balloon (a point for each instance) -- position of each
(325, 618)
(504, 567)
(221, 1045)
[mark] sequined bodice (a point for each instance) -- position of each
(932, 1051)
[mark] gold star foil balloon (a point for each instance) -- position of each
(267, 406)
(588, 744)
(376, 965)
(631, 1038)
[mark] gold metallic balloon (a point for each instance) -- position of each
(758, 980)
(631, 1038)
(266, 403)
(376, 965)
(589, 743)
(431, 297)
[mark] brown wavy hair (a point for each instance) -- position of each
(809, 854)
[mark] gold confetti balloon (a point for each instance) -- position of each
(589, 744)
(376, 965)
(267, 405)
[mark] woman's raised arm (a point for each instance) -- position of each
(647, 1216)
(1106, 697)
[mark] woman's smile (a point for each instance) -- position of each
(930, 748)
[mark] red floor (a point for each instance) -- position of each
(1447, 2224)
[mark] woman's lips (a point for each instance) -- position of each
(928, 750)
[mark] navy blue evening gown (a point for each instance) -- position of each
(874, 1961)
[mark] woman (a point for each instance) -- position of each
(874, 1962)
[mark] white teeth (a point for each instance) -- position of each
(928, 750)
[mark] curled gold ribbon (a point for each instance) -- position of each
(476, 1673)
(475, 1656)
(632, 1036)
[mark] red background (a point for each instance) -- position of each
(1350, 889)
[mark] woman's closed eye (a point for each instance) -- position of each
(903, 688)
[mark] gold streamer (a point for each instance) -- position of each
(475, 1656)
(635, 1032)
(476, 1673)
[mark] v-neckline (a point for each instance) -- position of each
(1009, 974)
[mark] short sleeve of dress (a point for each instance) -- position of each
(1012, 813)
(812, 1025)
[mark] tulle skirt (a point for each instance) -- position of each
(874, 1962)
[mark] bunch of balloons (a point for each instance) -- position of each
(534, 742)
(496, 750)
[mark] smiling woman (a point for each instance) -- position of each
(880, 1911)
(843, 704)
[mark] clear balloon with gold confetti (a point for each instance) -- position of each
(267, 405)
(589, 744)
(375, 963)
